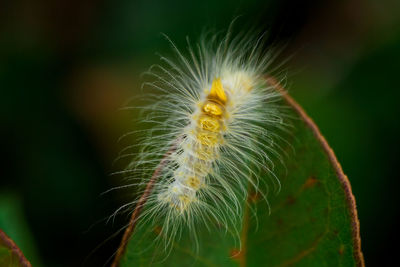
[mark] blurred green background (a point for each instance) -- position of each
(67, 67)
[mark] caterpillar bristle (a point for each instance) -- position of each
(214, 123)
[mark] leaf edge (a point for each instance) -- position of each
(10, 244)
(343, 179)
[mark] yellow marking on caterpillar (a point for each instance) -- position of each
(209, 123)
(184, 199)
(193, 182)
(207, 138)
(212, 109)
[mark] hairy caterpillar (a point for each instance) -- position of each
(213, 125)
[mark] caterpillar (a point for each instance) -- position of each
(212, 126)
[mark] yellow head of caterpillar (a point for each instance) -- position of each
(217, 91)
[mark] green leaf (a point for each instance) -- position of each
(13, 222)
(10, 254)
(313, 219)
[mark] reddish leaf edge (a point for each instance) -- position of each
(9, 243)
(343, 179)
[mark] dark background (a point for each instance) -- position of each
(67, 67)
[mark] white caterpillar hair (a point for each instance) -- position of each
(214, 124)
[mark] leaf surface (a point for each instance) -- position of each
(10, 254)
(313, 220)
